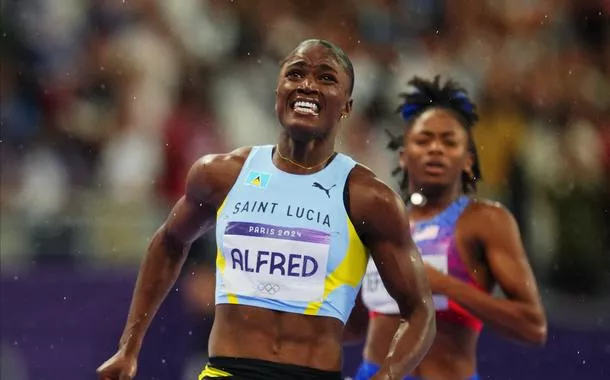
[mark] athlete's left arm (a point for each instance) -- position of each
(380, 217)
(520, 316)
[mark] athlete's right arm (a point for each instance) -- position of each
(193, 215)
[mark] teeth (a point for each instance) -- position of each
(308, 106)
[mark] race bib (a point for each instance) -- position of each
(376, 297)
(280, 263)
(439, 262)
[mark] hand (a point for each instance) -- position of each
(119, 367)
(438, 281)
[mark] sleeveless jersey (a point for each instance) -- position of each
(435, 239)
(285, 241)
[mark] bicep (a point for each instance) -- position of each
(195, 211)
(188, 220)
(396, 256)
(507, 260)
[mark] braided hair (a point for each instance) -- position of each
(449, 96)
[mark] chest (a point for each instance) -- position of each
(451, 252)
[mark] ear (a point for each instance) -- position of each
(348, 108)
(468, 164)
(402, 159)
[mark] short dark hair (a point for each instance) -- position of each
(337, 52)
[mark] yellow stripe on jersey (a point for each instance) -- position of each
(349, 272)
(220, 259)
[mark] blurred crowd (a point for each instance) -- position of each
(106, 103)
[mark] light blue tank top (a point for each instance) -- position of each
(285, 241)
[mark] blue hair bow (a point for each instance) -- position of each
(408, 110)
(463, 102)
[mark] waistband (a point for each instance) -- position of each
(219, 367)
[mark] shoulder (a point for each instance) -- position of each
(484, 217)
(486, 211)
(374, 205)
(211, 177)
(367, 190)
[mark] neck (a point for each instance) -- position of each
(302, 156)
(437, 199)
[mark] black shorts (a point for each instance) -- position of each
(252, 369)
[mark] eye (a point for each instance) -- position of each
(328, 78)
(420, 140)
(294, 74)
(451, 143)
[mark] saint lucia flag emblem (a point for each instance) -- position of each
(257, 179)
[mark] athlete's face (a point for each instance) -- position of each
(312, 92)
(436, 150)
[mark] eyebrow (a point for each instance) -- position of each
(322, 66)
(443, 134)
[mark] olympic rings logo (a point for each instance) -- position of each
(268, 287)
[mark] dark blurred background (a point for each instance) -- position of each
(106, 103)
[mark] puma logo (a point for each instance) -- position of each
(319, 186)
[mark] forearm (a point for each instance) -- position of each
(513, 319)
(158, 272)
(410, 344)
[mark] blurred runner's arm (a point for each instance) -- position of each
(520, 316)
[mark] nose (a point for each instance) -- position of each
(308, 86)
(435, 147)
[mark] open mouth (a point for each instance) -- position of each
(306, 107)
(434, 167)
